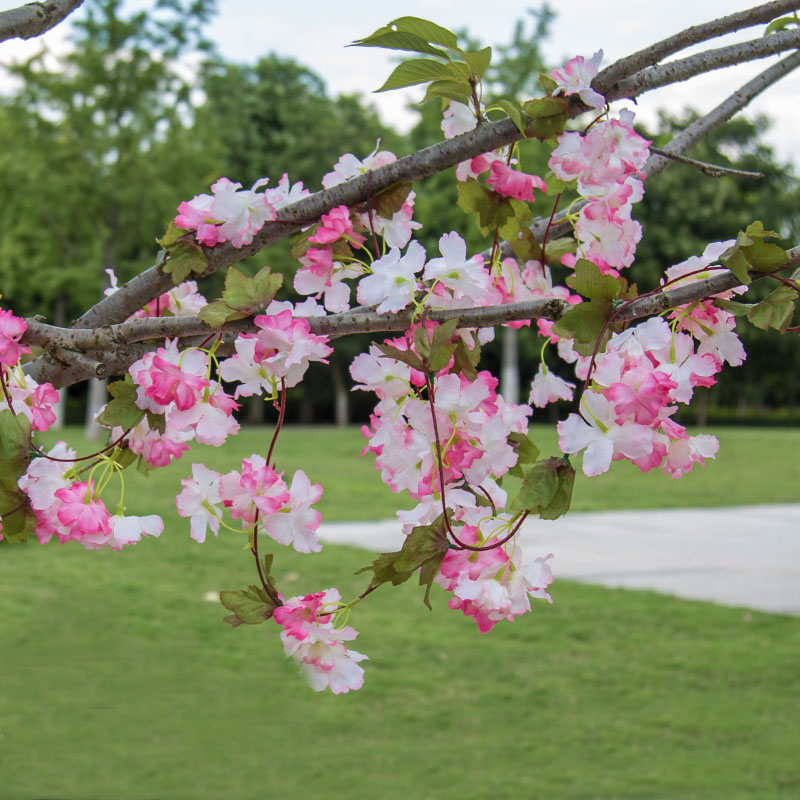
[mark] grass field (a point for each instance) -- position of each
(120, 681)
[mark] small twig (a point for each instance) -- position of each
(712, 170)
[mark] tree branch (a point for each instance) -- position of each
(677, 71)
(697, 33)
(34, 19)
(711, 170)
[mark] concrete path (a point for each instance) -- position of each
(745, 556)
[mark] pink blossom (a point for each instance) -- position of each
(348, 166)
(393, 282)
(199, 500)
(576, 76)
(310, 637)
(11, 330)
(296, 523)
(509, 182)
(547, 387)
(458, 118)
(257, 489)
(81, 512)
(336, 225)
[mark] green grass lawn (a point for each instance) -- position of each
(120, 680)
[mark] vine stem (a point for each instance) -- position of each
(279, 425)
(254, 550)
(439, 462)
(33, 447)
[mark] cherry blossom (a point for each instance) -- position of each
(575, 77)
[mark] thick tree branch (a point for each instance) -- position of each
(34, 19)
(677, 71)
(690, 36)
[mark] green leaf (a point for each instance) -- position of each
(547, 83)
(514, 112)
(427, 30)
(584, 323)
(780, 24)
(546, 489)
(422, 343)
(15, 445)
(493, 210)
(406, 356)
(556, 248)
(527, 452)
(465, 360)
(399, 40)
(122, 410)
(424, 549)
(557, 186)
(736, 261)
(250, 606)
(732, 307)
(19, 520)
(417, 70)
(441, 347)
(156, 422)
(388, 202)
(173, 233)
(184, 258)
(775, 310)
(591, 283)
(548, 116)
(478, 61)
(217, 313)
(525, 246)
(562, 498)
(460, 91)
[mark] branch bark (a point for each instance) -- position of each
(688, 37)
(34, 19)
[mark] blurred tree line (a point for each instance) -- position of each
(100, 146)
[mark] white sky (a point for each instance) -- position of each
(316, 32)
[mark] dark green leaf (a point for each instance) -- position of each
(584, 323)
(591, 283)
(736, 261)
(249, 606)
(406, 356)
(732, 307)
(156, 422)
(388, 202)
(465, 360)
(122, 411)
(525, 246)
(15, 445)
(172, 235)
(422, 343)
(538, 488)
(775, 310)
(562, 498)
(19, 520)
(548, 116)
(527, 452)
(441, 347)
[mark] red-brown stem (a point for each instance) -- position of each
(279, 425)
(462, 545)
(785, 281)
(547, 229)
(53, 458)
(254, 550)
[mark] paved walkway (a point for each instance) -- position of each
(745, 556)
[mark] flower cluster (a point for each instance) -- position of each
(232, 214)
(605, 162)
(627, 411)
(317, 645)
(257, 496)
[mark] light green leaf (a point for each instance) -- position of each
(427, 30)
(514, 112)
(185, 258)
(400, 40)
(418, 70)
(460, 91)
(775, 310)
(15, 445)
(547, 83)
(478, 61)
(780, 24)
(590, 282)
(250, 606)
(584, 323)
(549, 115)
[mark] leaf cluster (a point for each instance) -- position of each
(242, 297)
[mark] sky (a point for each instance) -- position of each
(316, 32)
